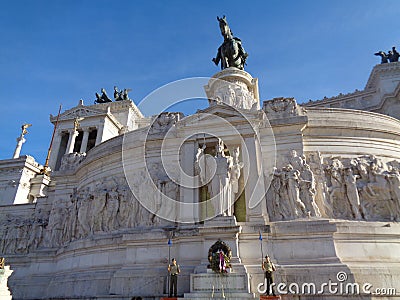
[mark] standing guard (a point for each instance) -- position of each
(268, 268)
(173, 270)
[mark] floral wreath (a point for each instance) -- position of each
(219, 256)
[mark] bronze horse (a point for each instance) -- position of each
(231, 52)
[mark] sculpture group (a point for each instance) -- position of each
(391, 56)
(100, 208)
(220, 173)
(118, 95)
(361, 188)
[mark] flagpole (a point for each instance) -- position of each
(169, 261)
(46, 164)
(261, 246)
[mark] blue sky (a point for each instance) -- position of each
(54, 52)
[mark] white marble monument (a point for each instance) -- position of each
(321, 184)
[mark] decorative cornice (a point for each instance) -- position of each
(370, 87)
(101, 109)
(379, 70)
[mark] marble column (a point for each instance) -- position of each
(84, 140)
(20, 141)
(99, 136)
(188, 211)
(55, 150)
(256, 209)
(71, 141)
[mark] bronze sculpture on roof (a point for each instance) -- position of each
(231, 53)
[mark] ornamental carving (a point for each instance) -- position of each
(282, 108)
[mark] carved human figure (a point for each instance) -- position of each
(284, 208)
(127, 208)
(377, 185)
(142, 187)
(21, 237)
(171, 191)
(200, 164)
(83, 213)
(336, 182)
(394, 182)
(321, 197)
(337, 189)
(230, 95)
(36, 234)
(292, 178)
(3, 231)
(220, 185)
(56, 223)
(235, 170)
(157, 188)
(297, 162)
(350, 181)
(74, 213)
(10, 237)
(307, 191)
(97, 208)
(67, 230)
(111, 209)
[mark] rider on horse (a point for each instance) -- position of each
(231, 52)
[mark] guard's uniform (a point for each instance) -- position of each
(174, 271)
(268, 268)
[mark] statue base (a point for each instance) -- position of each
(219, 286)
(235, 88)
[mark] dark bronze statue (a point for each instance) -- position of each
(117, 94)
(121, 95)
(391, 56)
(103, 98)
(125, 94)
(383, 55)
(231, 52)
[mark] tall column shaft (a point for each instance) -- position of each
(254, 189)
(71, 141)
(55, 150)
(20, 141)
(84, 140)
(99, 134)
(188, 211)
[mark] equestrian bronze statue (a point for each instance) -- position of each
(231, 52)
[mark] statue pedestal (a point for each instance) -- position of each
(219, 286)
(233, 87)
(206, 284)
(221, 221)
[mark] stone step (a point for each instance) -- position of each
(217, 296)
